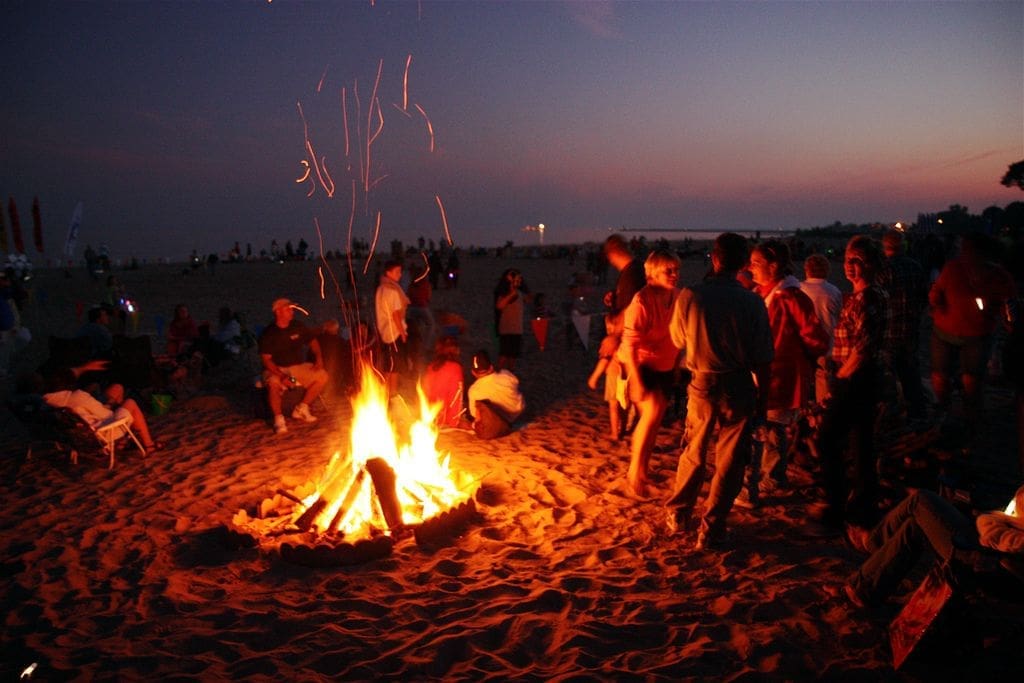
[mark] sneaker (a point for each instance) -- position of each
(279, 426)
(301, 412)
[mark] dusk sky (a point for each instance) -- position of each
(177, 124)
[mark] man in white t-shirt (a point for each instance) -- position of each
(390, 304)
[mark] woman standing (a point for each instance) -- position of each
(649, 358)
(799, 339)
(509, 297)
(849, 417)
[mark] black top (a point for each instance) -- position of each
(285, 346)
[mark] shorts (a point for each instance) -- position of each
(657, 380)
(391, 357)
(972, 353)
(510, 345)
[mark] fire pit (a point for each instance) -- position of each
(392, 482)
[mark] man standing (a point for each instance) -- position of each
(631, 279)
(828, 302)
(903, 280)
(282, 348)
(724, 331)
(391, 303)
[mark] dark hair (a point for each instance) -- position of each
(95, 312)
(871, 250)
(392, 263)
(776, 251)
(616, 244)
(446, 349)
(816, 265)
(481, 362)
(731, 251)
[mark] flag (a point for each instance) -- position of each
(540, 331)
(581, 321)
(12, 210)
(37, 225)
(76, 222)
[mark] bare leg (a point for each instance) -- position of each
(138, 421)
(599, 370)
(651, 410)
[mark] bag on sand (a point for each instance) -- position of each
(490, 422)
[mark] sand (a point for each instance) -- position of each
(125, 574)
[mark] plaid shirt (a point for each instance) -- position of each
(862, 325)
(903, 280)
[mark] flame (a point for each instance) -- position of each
(424, 481)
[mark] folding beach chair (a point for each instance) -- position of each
(67, 432)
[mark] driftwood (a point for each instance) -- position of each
(387, 495)
(350, 497)
(305, 520)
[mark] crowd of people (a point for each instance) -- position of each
(756, 348)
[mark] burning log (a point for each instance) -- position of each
(346, 502)
(305, 520)
(387, 495)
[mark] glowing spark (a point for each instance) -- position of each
(299, 308)
(369, 120)
(305, 175)
(444, 219)
(981, 303)
(430, 127)
(320, 85)
(29, 670)
(399, 110)
(344, 117)
(312, 154)
(320, 272)
(426, 267)
(373, 245)
(405, 84)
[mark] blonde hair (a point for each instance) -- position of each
(659, 260)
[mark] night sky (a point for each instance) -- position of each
(177, 124)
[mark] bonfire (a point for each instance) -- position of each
(392, 479)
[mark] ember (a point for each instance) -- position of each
(391, 480)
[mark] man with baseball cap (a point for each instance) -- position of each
(282, 348)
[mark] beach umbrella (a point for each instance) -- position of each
(3, 232)
(12, 211)
(37, 226)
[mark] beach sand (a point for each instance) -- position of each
(126, 574)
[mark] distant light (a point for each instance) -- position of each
(899, 226)
(940, 221)
(540, 227)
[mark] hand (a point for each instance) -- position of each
(609, 299)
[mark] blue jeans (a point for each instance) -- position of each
(924, 520)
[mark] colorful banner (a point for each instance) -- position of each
(37, 225)
(76, 223)
(540, 331)
(12, 211)
(581, 322)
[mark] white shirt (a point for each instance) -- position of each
(500, 388)
(827, 299)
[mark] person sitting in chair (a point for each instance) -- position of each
(283, 351)
(64, 393)
(494, 398)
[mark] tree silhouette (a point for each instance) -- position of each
(1014, 175)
